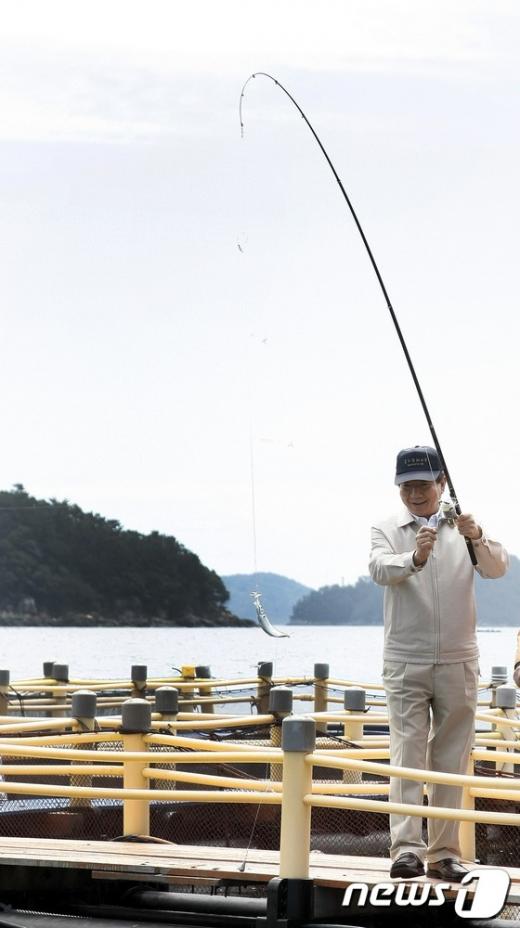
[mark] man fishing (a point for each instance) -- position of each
(430, 670)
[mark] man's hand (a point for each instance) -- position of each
(424, 541)
(468, 527)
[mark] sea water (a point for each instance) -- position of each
(353, 653)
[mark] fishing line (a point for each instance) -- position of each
(397, 327)
(262, 618)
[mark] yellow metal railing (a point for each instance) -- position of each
(60, 746)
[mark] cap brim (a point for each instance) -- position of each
(417, 475)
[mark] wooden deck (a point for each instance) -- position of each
(171, 863)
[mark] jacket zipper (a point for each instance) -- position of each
(436, 609)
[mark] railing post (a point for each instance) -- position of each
(354, 700)
(467, 829)
(265, 673)
(280, 705)
(321, 694)
(167, 706)
(298, 740)
(505, 698)
(203, 672)
(60, 673)
(84, 711)
(136, 722)
(138, 675)
(4, 692)
(498, 676)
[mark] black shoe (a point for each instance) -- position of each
(407, 866)
(449, 870)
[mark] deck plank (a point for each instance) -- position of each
(172, 862)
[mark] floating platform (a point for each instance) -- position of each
(141, 802)
(132, 883)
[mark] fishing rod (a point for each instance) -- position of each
(451, 489)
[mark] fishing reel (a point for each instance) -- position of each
(449, 512)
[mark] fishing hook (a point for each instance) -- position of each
(451, 489)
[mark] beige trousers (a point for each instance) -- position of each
(431, 712)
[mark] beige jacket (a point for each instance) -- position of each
(429, 612)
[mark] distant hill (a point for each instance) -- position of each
(279, 595)
(358, 604)
(498, 602)
(62, 566)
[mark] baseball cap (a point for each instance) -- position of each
(418, 463)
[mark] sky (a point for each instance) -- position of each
(193, 339)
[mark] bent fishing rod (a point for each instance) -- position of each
(451, 489)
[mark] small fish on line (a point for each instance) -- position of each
(263, 620)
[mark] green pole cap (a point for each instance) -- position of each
(83, 704)
(498, 675)
(139, 673)
(167, 700)
(355, 700)
(136, 716)
(298, 734)
(60, 672)
(281, 700)
(505, 699)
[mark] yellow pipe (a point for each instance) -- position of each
(247, 721)
(467, 837)
(194, 716)
(136, 812)
(510, 795)
(200, 757)
(229, 782)
(365, 718)
(348, 684)
(339, 699)
(494, 717)
(407, 773)
(39, 725)
(295, 829)
(510, 757)
(215, 700)
(66, 739)
(374, 805)
(203, 745)
(59, 770)
(359, 753)
(491, 742)
(331, 789)
(160, 795)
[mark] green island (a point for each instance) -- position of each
(62, 566)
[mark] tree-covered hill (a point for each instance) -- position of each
(61, 565)
(279, 595)
(361, 604)
(498, 602)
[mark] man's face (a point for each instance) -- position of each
(422, 497)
